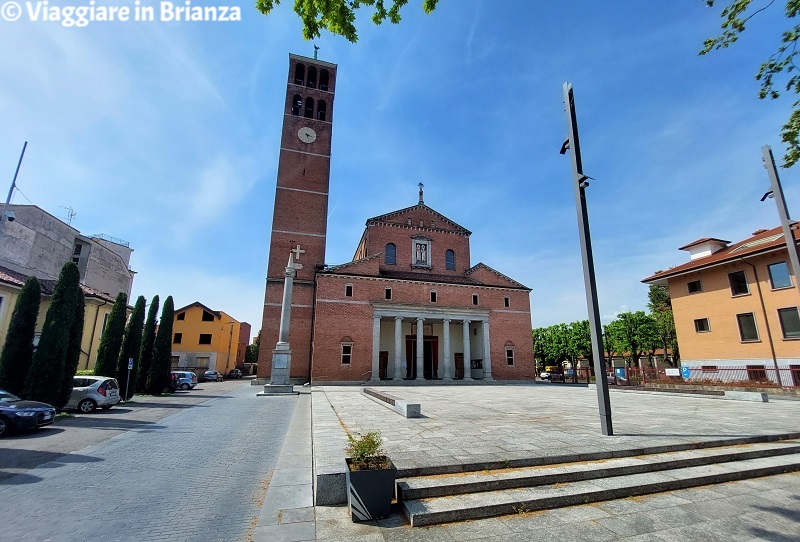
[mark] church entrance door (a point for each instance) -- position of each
(430, 357)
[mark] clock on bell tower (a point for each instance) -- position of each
(300, 217)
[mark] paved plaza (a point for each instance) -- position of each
(475, 424)
(495, 423)
(225, 465)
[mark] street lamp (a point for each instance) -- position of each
(230, 342)
(581, 182)
(776, 192)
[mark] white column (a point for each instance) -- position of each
(420, 351)
(376, 345)
(398, 347)
(487, 354)
(448, 358)
(467, 355)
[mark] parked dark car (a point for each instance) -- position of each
(16, 414)
(235, 373)
(212, 376)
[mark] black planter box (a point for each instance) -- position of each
(370, 492)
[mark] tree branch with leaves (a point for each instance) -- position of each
(339, 16)
(780, 64)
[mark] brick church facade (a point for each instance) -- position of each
(410, 306)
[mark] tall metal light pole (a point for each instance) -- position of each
(786, 222)
(581, 182)
(13, 183)
(230, 342)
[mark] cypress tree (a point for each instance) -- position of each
(73, 355)
(146, 350)
(47, 369)
(158, 378)
(15, 360)
(131, 343)
(111, 341)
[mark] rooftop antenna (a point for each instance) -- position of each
(421, 186)
(315, 51)
(70, 214)
(13, 183)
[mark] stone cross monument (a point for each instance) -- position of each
(279, 383)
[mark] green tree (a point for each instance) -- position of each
(158, 377)
(668, 339)
(658, 297)
(638, 334)
(736, 15)
(146, 349)
(15, 360)
(46, 376)
(131, 344)
(338, 16)
(73, 355)
(251, 352)
(613, 341)
(111, 341)
(539, 350)
(660, 306)
(580, 340)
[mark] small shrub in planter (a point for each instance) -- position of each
(370, 478)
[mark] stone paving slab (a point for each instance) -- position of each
(487, 422)
(463, 424)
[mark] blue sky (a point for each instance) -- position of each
(166, 135)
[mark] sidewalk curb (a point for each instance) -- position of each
(288, 511)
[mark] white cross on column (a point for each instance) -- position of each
(297, 252)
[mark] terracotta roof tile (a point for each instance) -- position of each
(764, 241)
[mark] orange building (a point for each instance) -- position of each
(736, 306)
(204, 339)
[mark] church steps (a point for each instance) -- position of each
(441, 499)
(498, 479)
(408, 472)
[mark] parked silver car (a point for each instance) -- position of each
(186, 379)
(212, 376)
(90, 392)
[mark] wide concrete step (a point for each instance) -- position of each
(485, 504)
(423, 487)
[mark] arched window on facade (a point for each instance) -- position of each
(312, 77)
(309, 113)
(297, 104)
(321, 110)
(323, 79)
(391, 254)
(450, 260)
(299, 74)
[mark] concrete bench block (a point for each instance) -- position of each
(405, 408)
(754, 396)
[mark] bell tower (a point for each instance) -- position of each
(300, 217)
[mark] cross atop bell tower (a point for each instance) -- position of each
(300, 216)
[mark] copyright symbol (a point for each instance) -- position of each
(10, 11)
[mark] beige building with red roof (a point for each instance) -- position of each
(736, 306)
(97, 310)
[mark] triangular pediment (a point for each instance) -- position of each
(420, 214)
(491, 277)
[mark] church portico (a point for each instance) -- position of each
(430, 343)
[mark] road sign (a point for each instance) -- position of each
(619, 372)
(130, 363)
(685, 371)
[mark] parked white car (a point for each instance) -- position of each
(91, 392)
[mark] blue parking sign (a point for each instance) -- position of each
(619, 372)
(685, 371)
